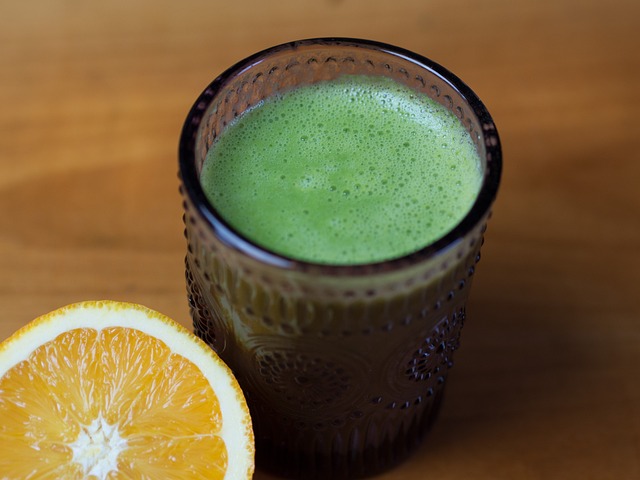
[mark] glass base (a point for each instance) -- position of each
(361, 452)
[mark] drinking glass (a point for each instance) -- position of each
(343, 367)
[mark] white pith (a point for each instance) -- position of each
(97, 448)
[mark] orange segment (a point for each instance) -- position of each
(107, 390)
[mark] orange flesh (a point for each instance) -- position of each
(159, 403)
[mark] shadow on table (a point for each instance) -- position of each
(526, 362)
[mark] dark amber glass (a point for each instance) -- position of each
(343, 367)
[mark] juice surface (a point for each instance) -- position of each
(355, 170)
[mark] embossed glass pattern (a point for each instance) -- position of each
(343, 366)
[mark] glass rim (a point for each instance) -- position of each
(229, 236)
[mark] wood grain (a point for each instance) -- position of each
(547, 383)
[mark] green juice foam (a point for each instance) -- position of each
(355, 170)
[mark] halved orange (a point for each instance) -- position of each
(110, 390)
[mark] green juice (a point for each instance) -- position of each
(350, 171)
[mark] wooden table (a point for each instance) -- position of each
(547, 383)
